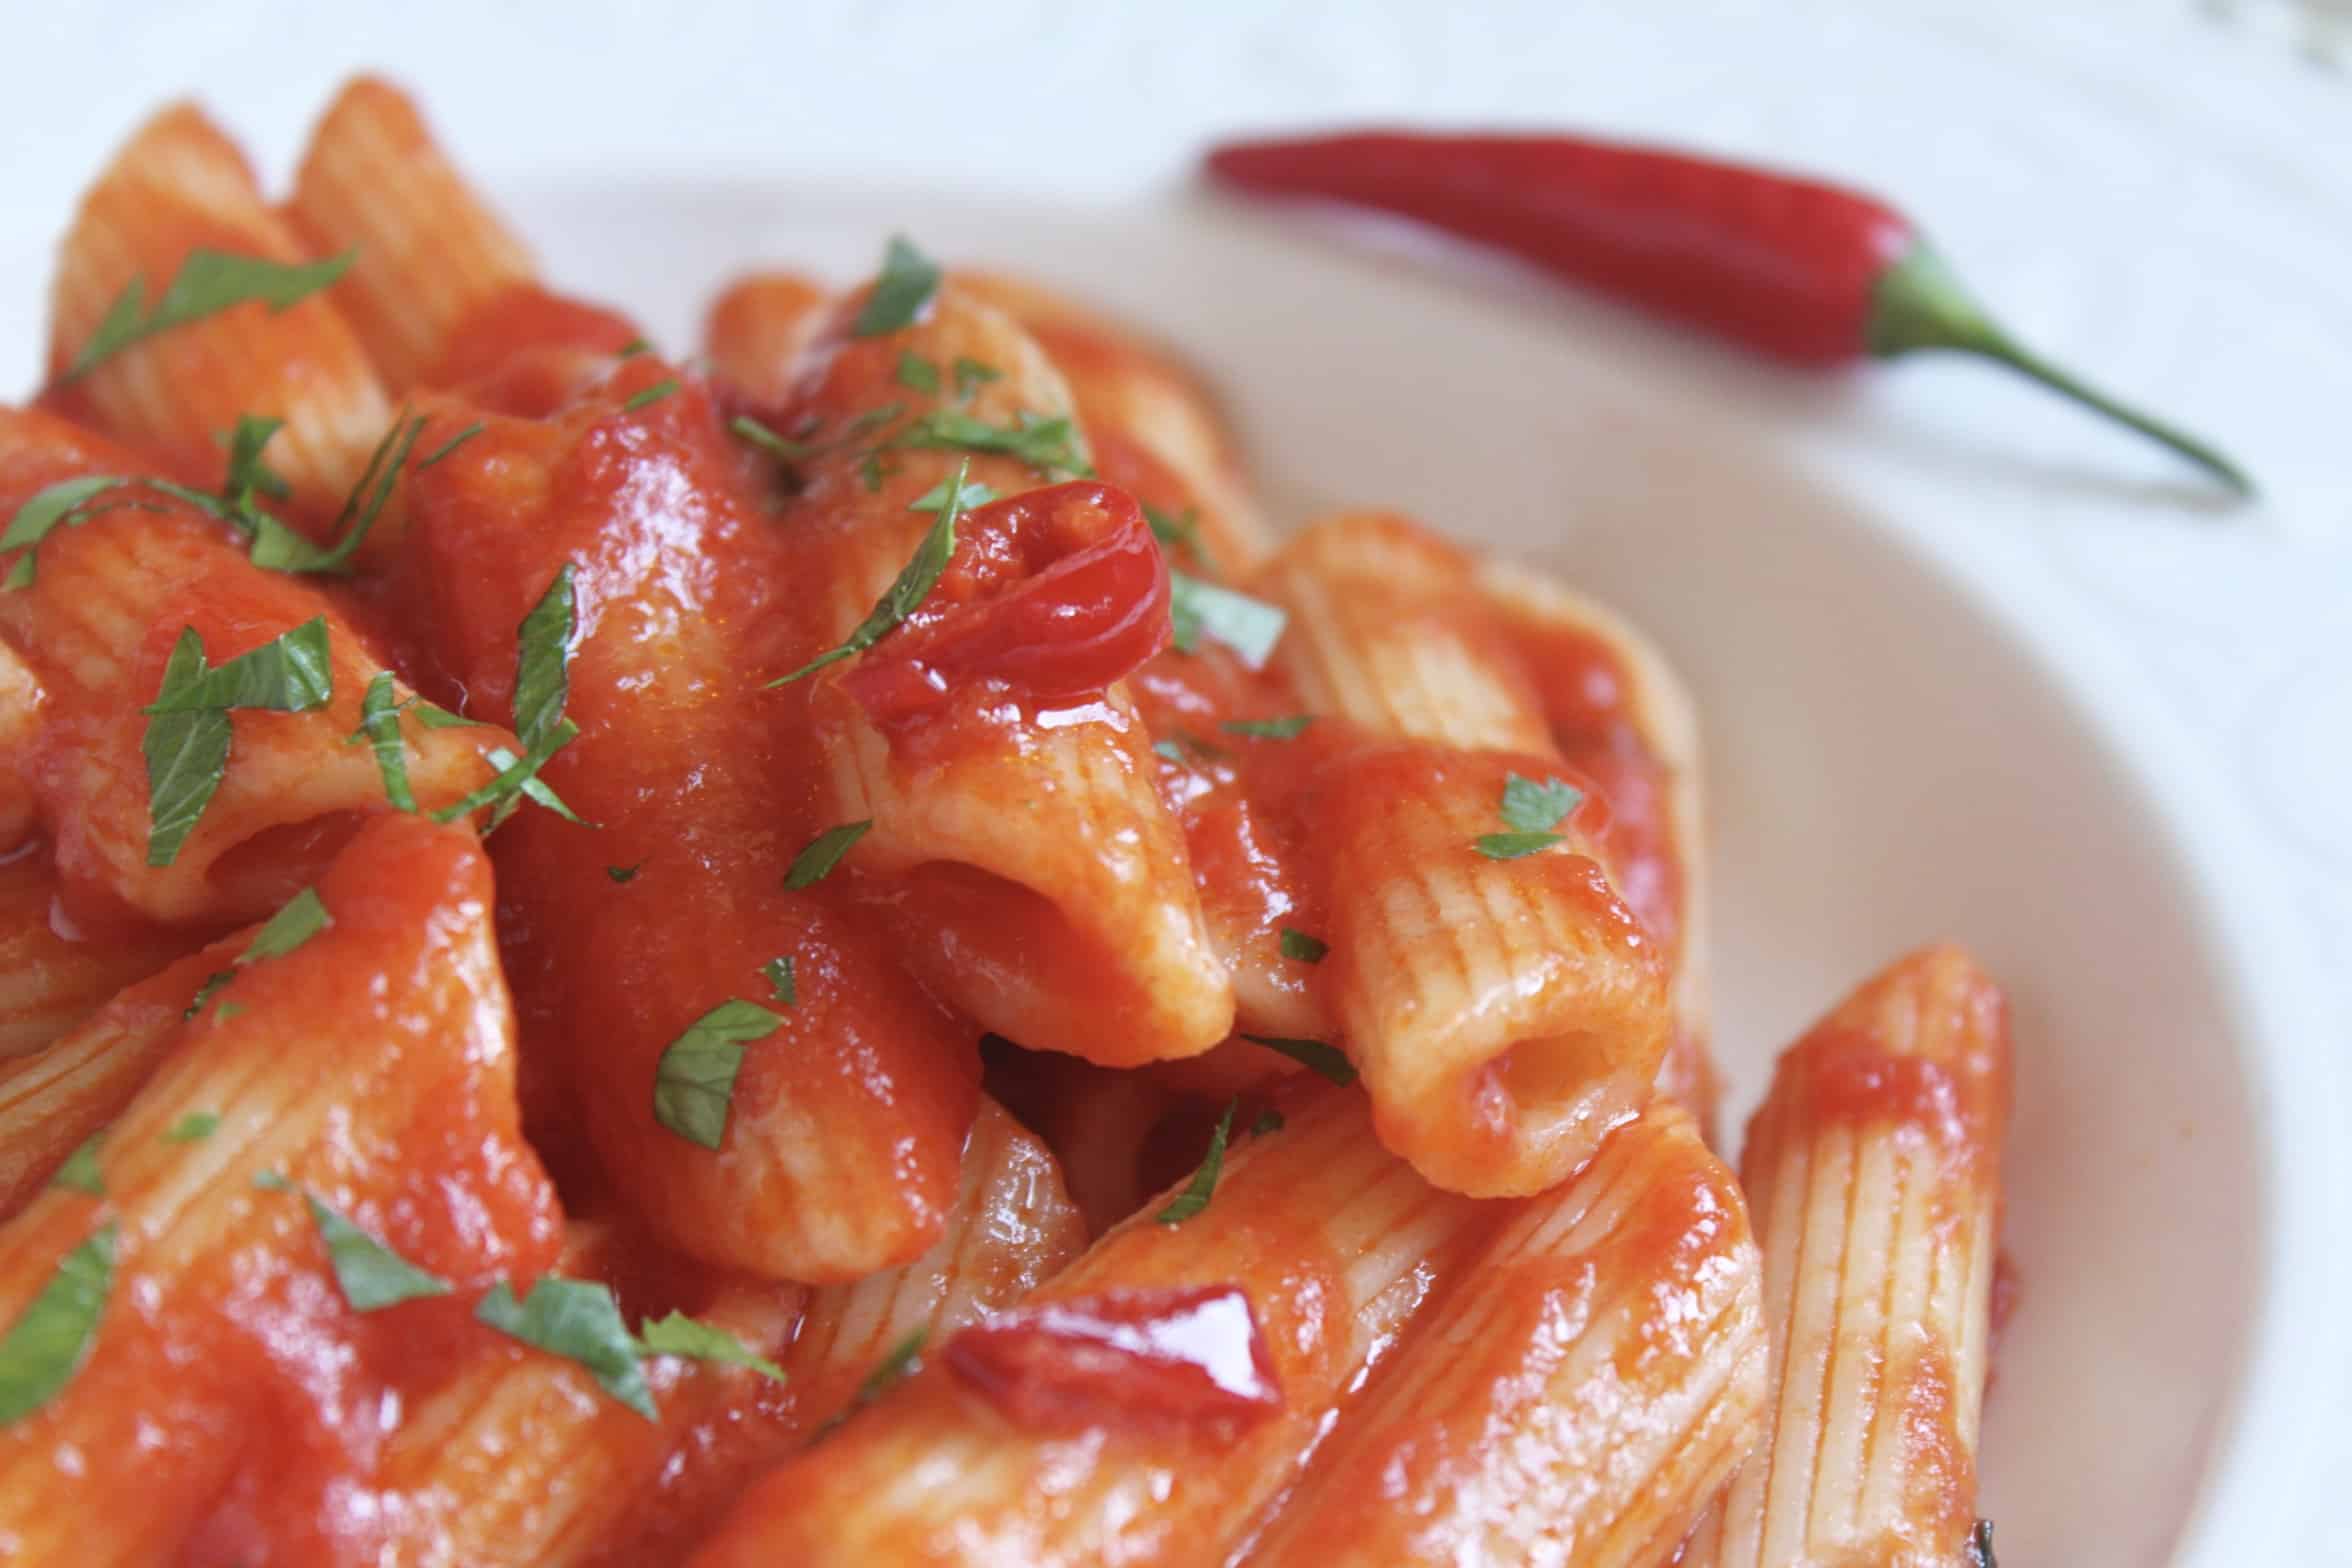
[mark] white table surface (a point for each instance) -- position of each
(2157, 193)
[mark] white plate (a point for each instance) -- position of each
(1888, 761)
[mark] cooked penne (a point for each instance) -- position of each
(224, 1293)
(1874, 1174)
(103, 625)
(1388, 628)
(1506, 1012)
(427, 255)
(1043, 885)
(1156, 427)
(55, 1099)
(1620, 715)
(1334, 1245)
(20, 723)
(1540, 1414)
(53, 975)
(1011, 1228)
(839, 1132)
(755, 330)
(177, 188)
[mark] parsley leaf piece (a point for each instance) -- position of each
(281, 549)
(288, 674)
(1051, 444)
(1328, 1061)
(450, 445)
(782, 448)
(1269, 1120)
(187, 753)
(543, 648)
(967, 497)
(209, 281)
(783, 981)
(271, 1181)
(194, 1127)
(1513, 846)
(579, 1321)
(1195, 1196)
(304, 917)
(870, 471)
(813, 864)
(909, 279)
(80, 1171)
(50, 1341)
(633, 348)
(972, 374)
(1289, 727)
(650, 396)
(695, 1080)
(871, 420)
(227, 1011)
(917, 373)
(379, 721)
(912, 586)
(1530, 807)
(54, 506)
(1305, 948)
(1178, 533)
(624, 874)
(902, 1360)
(680, 1335)
(204, 993)
(1250, 627)
(371, 1275)
(517, 780)
(247, 472)
(435, 717)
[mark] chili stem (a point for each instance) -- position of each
(2027, 362)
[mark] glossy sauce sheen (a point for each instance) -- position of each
(1124, 1360)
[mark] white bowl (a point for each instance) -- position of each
(1889, 760)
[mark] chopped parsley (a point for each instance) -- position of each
(49, 1342)
(966, 497)
(205, 992)
(207, 282)
(680, 1335)
(579, 1321)
(80, 1172)
(908, 281)
(624, 874)
(187, 741)
(379, 722)
(1327, 1060)
(971, 375)
(1269, 1121)
(695, 1080)
(1532, 811)
(542, 683)
(1287, 728)
(782, 448)
(59, 505)
(194, 1127)
(371, 1275)
(912, 586)
(650, 396)
(814, 863)
(303, 917)
(633, 348)
(1195, 1196)
(783, 980)
(1199, 608)
(282, 549)
(450, 445)
(1178, 533)
(1051, 444)
(1307, 949)
(916, 373)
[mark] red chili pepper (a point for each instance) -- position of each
(1094, 611)
(1805, 271)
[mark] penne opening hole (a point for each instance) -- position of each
(1554, 1072)
(1012, 957)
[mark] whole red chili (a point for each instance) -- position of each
(1805, 271)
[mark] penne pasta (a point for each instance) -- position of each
(1157, 429)
(20, 724)
(53, 975)
(1506, 1013)
(178, 187)
(1337, 1247)
(399, 1118)
(1068, 922)
(102, 625)
(61, 1095)
(427, 255)
(838, 1141)
(754, 334)
(1549, 1411)
(1619, 714)
(1874, 1174)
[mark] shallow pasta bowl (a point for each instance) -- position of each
(1891, 758)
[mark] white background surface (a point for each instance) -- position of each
(2158, 197)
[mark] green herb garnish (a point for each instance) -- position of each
(783, 981)
(1195, 1196)
(450, 445)
(1532, 811)
(680, 1335)
(187, 740)
(1307, 949)
(1287, 728)
(51, 1340)
(208, 282)
(695, 1079)
(913, 584)
(908, 280)
(1199, 608)
(823, 853)
(579, 1321)
(650, 396)
(194, 1127)
(916, 373)
(80, 1171)
(1326, 1060)
(371, 1275)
